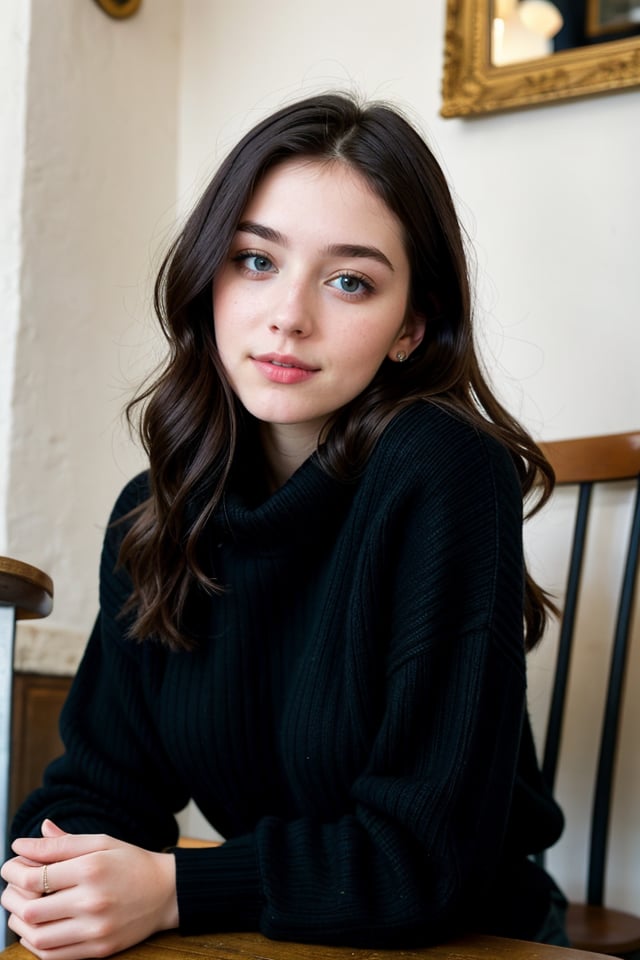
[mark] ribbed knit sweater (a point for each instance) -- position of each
(353, 719)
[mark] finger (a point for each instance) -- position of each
(51, 829)
(64, 847)
(30, 863)
(77, 951)
(68, 936)
(43, 911)
(42, 938)
(40, 878)
(14, 872)
(15, 869)
(15, 899)
(24, 876)
(25, 894)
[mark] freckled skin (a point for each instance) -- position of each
(313, 297)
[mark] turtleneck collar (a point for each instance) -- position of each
(307, 507)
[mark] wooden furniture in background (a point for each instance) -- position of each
(585, 463)
(25, 593)
(35, 741)
(253, 946)
(197, 842)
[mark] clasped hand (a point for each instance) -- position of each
(103, 894)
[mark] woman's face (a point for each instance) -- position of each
(313, 295)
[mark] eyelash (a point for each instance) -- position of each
(362, 280)
(244, 255)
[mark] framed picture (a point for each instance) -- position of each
(473, 85)
(612, 16)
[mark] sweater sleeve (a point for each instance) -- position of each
(114, 776)
(417, 855)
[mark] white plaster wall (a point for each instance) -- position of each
(14, 38)
(99, 190)
(550, 197)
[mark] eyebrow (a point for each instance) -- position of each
(260, 230)
(334, 249)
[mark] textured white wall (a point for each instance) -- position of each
(14, 36)
(99, 189)
(550, 199)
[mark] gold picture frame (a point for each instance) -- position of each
(472, 86)
(119, 9)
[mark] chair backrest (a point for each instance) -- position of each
(585, 463)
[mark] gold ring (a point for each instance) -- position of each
(46, 889)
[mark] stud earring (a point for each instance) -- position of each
(401, 356)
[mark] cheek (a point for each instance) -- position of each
(359, 364)
(224, 293)
(369, 342)
(234, 310)
(223, 315)
(223, 335)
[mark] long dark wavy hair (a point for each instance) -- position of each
(190, 421)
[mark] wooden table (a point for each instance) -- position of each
(253, 946)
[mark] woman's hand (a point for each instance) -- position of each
(104, 895)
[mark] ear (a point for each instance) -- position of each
(410, 337)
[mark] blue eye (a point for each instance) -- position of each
(254, 262)
(258, 263)
(351, 283)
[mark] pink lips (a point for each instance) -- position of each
(282, 368)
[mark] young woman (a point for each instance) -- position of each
(314, 606)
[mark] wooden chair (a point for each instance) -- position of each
(25, 593)
(585, 463)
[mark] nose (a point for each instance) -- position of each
(293, 313)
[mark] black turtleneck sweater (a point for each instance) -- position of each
(353, 719)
